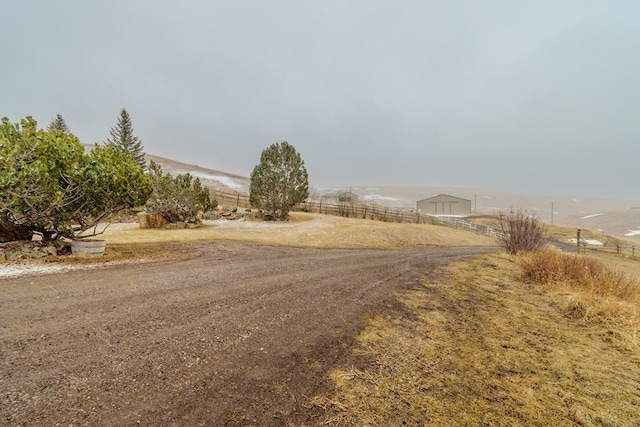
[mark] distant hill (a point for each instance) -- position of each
(220, 181)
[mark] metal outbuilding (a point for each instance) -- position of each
(444, 204)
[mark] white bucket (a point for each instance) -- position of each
(88, 248)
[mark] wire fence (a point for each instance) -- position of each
(389, 214)
(362, 211)
(617, 249)
(233, 199)
(462, 224)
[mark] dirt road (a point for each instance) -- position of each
(234, 334)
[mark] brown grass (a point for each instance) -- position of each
(552, 268)
(480, 347)
(308, 230)
(591, 290)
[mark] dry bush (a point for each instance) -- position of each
(552, 268)
(590, 291)
(520, 231)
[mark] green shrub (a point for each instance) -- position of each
(178, 199)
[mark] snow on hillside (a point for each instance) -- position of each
(226, 181)
(591, 216)
(632, 233)
(220, 181)
(377, 197)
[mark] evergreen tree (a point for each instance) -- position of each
(122, 136)
(280, 181)
(58, 123)
(48, 182)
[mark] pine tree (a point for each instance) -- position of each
(122, 136)
(280, 181)
(58, 123)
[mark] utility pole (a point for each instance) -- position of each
(551, 213)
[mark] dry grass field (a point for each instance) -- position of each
(307, 230)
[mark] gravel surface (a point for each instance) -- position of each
(234, 334)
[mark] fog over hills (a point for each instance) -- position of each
(616, 217)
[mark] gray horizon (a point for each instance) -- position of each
(524, 97)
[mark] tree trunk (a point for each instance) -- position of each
(10, 232)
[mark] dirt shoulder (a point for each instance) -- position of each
(231, 334)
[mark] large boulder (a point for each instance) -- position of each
(151, 220)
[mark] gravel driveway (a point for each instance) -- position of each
(236, 334)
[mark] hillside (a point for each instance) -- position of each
(220, 181)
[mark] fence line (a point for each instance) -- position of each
(466, 225)
(235, 199)
(616, 249)
(387, 214)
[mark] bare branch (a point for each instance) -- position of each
(520, 231)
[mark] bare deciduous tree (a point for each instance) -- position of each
(520, 231)
(345, 200)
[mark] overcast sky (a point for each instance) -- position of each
(520, 96)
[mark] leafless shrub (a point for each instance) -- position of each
(345, 203)
(519, 231)
(551, 267)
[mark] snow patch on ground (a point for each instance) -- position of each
(591, 216)
(592, 242)
(633, 233)
(370, 197)
(14, 270)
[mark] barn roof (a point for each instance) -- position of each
(444, 195)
